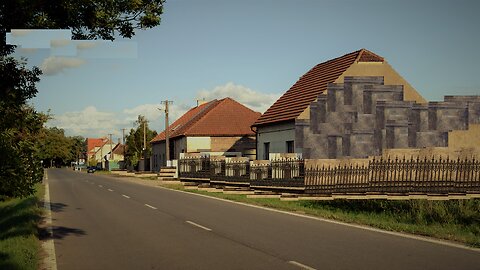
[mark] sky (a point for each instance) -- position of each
(252, 51)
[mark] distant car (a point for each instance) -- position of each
(91, 169)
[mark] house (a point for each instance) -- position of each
(116, 160)
(216, 127)
(357, 106)
(98, 149)
(279, 129)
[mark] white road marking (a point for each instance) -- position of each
(110, 189)
(302, 266)
(362, 227)
(100, 186)
(148, 205)
(128, 197)
(50, 260)
(198, 225)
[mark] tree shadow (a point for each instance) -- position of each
(23, 218)
(6, 263)
(57, 207)
(59, 232)
(20, 218)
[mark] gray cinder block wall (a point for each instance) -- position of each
(362, 116)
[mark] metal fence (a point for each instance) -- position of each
(280, 173)
(402, 176)
(439, 176)
(194, 168)
(283, 172)
(235, 172)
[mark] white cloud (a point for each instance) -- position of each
(88, 123)
(86, 45)
(59, 42)
(54, 65)
(28, 50)
(154, 115)
(21, 32)
(254, 100)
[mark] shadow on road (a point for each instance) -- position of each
(59, 232)
(57, 207)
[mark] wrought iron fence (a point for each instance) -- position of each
(440, 176)
(282, 173)
(402, 176)
(194, 167)
(236, 171)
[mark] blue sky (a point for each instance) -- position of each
(250, 50)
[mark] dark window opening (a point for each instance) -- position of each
(266, 150)
(290, 147)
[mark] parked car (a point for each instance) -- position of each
(91, 169)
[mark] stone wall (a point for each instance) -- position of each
(362, 117)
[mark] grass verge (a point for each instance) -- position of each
(19, 244)
(454, 220)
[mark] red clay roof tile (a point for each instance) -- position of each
(310, 85)
(224, 117)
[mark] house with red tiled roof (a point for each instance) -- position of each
(280, 128)
(97, 149)
(219, 126)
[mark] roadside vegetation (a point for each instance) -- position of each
(19, 243)
(454, 220)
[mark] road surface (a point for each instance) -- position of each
(101, 222)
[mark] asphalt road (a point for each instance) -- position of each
(102, 222)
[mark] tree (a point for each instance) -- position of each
(58, 149)
(20, 167)
(20, 124)
(135, 141)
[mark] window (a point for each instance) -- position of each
(290, 147)
(266, 150)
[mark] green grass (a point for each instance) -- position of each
(454, 220)
(19, 244)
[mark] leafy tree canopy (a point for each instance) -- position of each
(20, 124)
(135, 141)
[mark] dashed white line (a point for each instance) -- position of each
(148, 205)
(198, 225)
(302, 266)
(100, 186)
(128, 197)
(110, 189)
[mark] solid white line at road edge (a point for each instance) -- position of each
(48, 245)
(198, 225)
(362, 227)
(128, 197)
(148, 205)
(302, 266)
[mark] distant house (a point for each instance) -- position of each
(118, 152)
(217, 127)
(280, 128)
(98, 149)
(116, 157)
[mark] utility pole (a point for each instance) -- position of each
(123, 140)
(167, 141)
(145, 121)
(111, 150)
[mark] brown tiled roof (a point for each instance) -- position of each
(119, 149)
(224, 117)
(310, 85)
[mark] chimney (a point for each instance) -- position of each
(119, 141)
(201, 101)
